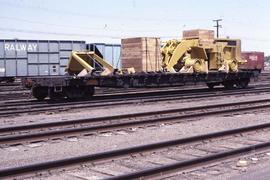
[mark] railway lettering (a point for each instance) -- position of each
(20, 47)
(253, 58)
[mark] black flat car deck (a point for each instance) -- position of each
(63, 84)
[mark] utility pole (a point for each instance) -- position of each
(217, 26)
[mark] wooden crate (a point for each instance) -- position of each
(142, 53)
(199, 34)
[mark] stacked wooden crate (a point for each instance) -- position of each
(142, 53)
(198, 33)
(206, 37)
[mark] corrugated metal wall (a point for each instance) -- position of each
(110, 52)
(36, 57)
(47, 57)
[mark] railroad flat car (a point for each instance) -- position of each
(198, 57)
(83, 87)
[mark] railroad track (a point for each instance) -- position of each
(214, 151)
(265, 76)
(11, 95)
(146, 161)
(11, 92)
(110, 92)
(21, 134)
(112, 95)
(24, 94)
(11, 86)
(16, 108)
(8, 96)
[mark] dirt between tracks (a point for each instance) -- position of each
(51, 116)
(75, 146)
(62, 148)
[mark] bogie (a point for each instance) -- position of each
(242, 83)
(228, 84)
(40, 93)
(212, 85)
(78, 92)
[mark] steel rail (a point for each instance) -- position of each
(146, 94)
(88, 129)
(155, 93)
(90, 158)
(109, 102)
(190, 163)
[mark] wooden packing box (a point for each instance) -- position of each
(198, 34)
(142, 53)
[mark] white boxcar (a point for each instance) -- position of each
(110, 52)
(35, 57)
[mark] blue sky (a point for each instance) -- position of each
(108, 21)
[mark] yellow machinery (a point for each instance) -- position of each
(197, 52)
(201, 55)
(84, 63)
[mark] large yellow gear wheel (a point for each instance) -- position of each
(199, 65)
(233, 66)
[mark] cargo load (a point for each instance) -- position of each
(198, 51)
(198, 34)
(197, 58)
(142, 53)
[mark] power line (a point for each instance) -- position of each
(77, 27)
(106, 36)
(98, 16)
(47, 24)
(57, 34)
(217, 26)
(71, 34)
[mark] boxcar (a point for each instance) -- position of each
(255, 60)
(20, 58)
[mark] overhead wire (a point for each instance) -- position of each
(87, 15)
(74, 27)
(72, 34)
(106, 36)
(56, 33)
(98, 16)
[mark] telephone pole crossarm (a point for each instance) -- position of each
(217, 26)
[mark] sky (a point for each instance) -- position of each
(107, 21)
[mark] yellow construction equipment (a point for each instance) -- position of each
(201, 53)
(84, 63)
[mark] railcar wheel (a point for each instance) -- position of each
(79, 92)
(243, 83)
(74, 92)
(55, 95)
(89, 92)
(228, 84)
(40, 93)
(210, 85)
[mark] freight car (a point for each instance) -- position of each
(21, 58)
(83, 87)
(110, 52)
(255, 61)
(198, 57)
(82, 78)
